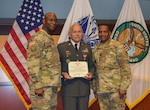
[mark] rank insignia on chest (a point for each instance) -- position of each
(68, 53)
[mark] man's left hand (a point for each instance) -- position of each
(88, 76)
(122, 93)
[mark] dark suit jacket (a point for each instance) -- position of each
(76, 86)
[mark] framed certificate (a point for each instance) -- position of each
(77, 68)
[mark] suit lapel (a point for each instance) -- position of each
(70, 47)
(81, 47)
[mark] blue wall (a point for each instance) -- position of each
(102, 9)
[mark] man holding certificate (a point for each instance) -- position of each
(77, 70)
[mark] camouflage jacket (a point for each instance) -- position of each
(43, 61)
(112, 66)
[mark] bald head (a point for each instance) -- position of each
(75, 26)
(49, 22)
(76, 33)
(49, 14)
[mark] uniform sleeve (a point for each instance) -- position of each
(125, 69)
(33, 63)
(91, 63)
(62, 50)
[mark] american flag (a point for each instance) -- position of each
(13, 55)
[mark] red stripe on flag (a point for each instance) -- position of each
(36, 29)
(15, 80)
(18, 42)
(16, 61)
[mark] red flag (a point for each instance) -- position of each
(13, 55)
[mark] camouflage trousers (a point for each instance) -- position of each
(111, 101)
(46, 102)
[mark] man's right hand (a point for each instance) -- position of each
(39, 92)
(66, 76)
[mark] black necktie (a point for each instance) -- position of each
(76, 47)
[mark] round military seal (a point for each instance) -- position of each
(135, 40)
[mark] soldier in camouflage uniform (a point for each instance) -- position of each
(43, 66)
(113, 71)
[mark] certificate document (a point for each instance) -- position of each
(77, 68)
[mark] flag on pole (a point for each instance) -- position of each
(131, 30)
(13, 55)
(82, 14)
